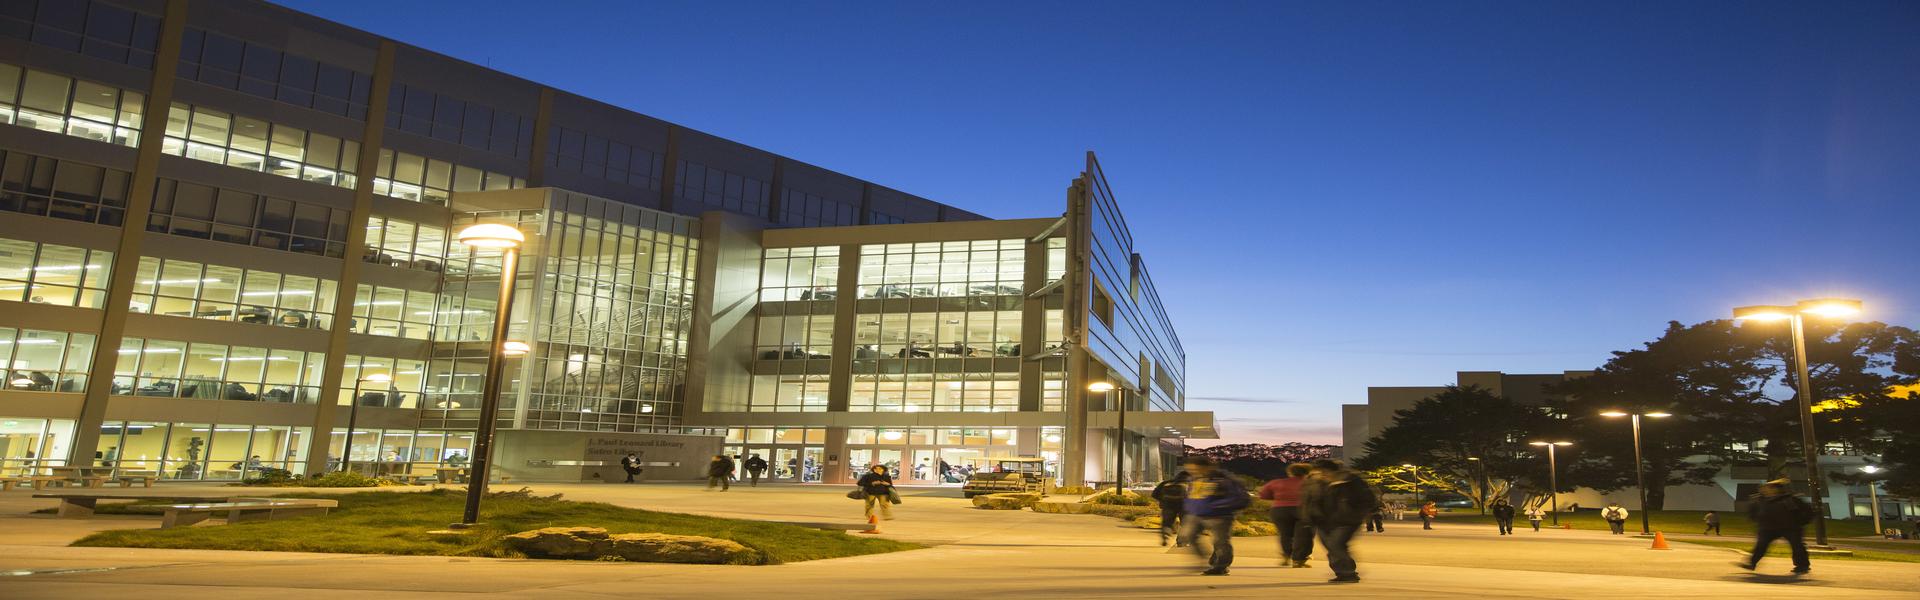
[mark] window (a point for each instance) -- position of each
(788, 393)
(96, 29)
(216, 372)
(42, 186)
(943, 269)
(61, 104)
(1102, 305)
(403, 389)
(393, 312)
(189, 289)
(808, 210)
(204, 212)
(795, 337)
(204, 134)
(225, 62)
(425, 113)
(53, 274)
(45, 361)
(599, 157)
(418, 179)
(720, 189)
(939, 334)
(193, 451)
(401, 243)
(800, 274)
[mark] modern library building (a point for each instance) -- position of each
(267, 277)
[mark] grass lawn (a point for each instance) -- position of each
(1779, 549)
(398, 522)
(1669, 521)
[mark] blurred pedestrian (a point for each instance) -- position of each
(1377, 520)
(719, 472)
(1214, 496)
(1428, 512)
(630, 464)
(1172, 497)
(1296, 536)
(755, 467)
(1335, 501)
(1534, 515)
(877, 494)
(1503, 516)
(1713, 523)
(1616, 517)
(1779, 515)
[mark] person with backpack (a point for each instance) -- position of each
(1335, 501)
(1779, 515)
(1296, 537)
(1535, 515)
(1503, 516)
(720, 472)
(1171, 496)
(1616, 517)
(876, 492)
(755, 466)
(1214, 497)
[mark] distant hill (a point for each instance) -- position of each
(1261, 460)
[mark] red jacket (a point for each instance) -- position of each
(1283, 492)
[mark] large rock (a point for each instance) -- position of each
(1010, 501)
(580, 543)
(593, 543)
(1147, 522)
(687, 549)
(1063, 508)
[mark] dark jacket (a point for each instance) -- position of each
(1785, 511)
(1216, 495)
(630, 463)
(1341, 500)
(1503, 511)
(870, 483)
(1171, 494)
(720, 467)
(756, 464)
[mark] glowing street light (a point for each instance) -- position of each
(1873, 489)
(1553, 475)
(1639, 473)
(507, 239)
(1831, 308)
(513, 349)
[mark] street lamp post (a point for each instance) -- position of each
(1553, 476)
(1819, 307)
(1119, 438)
(1484, 483)
(1639, 471)
(353, 418)
(1873, 490)
(507, 239)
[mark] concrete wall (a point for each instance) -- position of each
(674, 457)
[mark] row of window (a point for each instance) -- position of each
(199, 451)
(943, 269)
(808, 210)
(45, 361)
(205, 212)
(64, 105)
(393, 312)
(416, 178)
(946, 436)
(172, 369)
(420, 111)
(96, 29)
(800, 274)
(401, 243)
(383, 382)
(720, 189)
(794, 337)
(62, 189)
(54, 274)
(189, 289)
(601, 158)
(243, 142)
(971, 334)
(224, 62)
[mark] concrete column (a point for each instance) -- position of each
(335, 366)
(835, 471)
(126, 260)
(845, 313)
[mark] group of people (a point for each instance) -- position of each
(1322, 499)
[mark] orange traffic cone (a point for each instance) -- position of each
(1660, 541)
(873, 524)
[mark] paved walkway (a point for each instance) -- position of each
(973, 553)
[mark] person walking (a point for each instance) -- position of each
(1335, 501)
(720, 472)
(1428, 512)
(1713, 523)
(1616, 517)
(877, 486)
(1296, 537)
(1377, 520)
(1778, 515)
(1503, 516)
(1535, 515)
(1172, 497)
(1214, 496)
(755, 467)
(631, 464)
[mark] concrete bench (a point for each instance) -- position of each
(80, 505)
(41, 482)
(245, 509)
(127, 481)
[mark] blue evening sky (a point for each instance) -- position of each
(1330, 195)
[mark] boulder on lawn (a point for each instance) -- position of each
(1009, 501)
(1063, 508)
(686, 549)
(579, 543)
(1147, 522)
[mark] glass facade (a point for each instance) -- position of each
(942, 269)
(401, 243)
(171, 369)
(95, 29)
(182, 288)
(800, 274)
(239, 141)
(251, 68)
(601, 158)
(59, 104)
(414, 178)
(62, 189)
(393, 312)
(721, 190)
(46, 361)
(53, 274)
(28, 444)
(199, 451)
(223, 215)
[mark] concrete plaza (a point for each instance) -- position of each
(972, 553)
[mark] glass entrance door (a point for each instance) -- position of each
(923, 467)
(812, 459)
(961, 462)
(785, 464)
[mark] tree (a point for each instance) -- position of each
(1411, 479)
(1464, 439)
